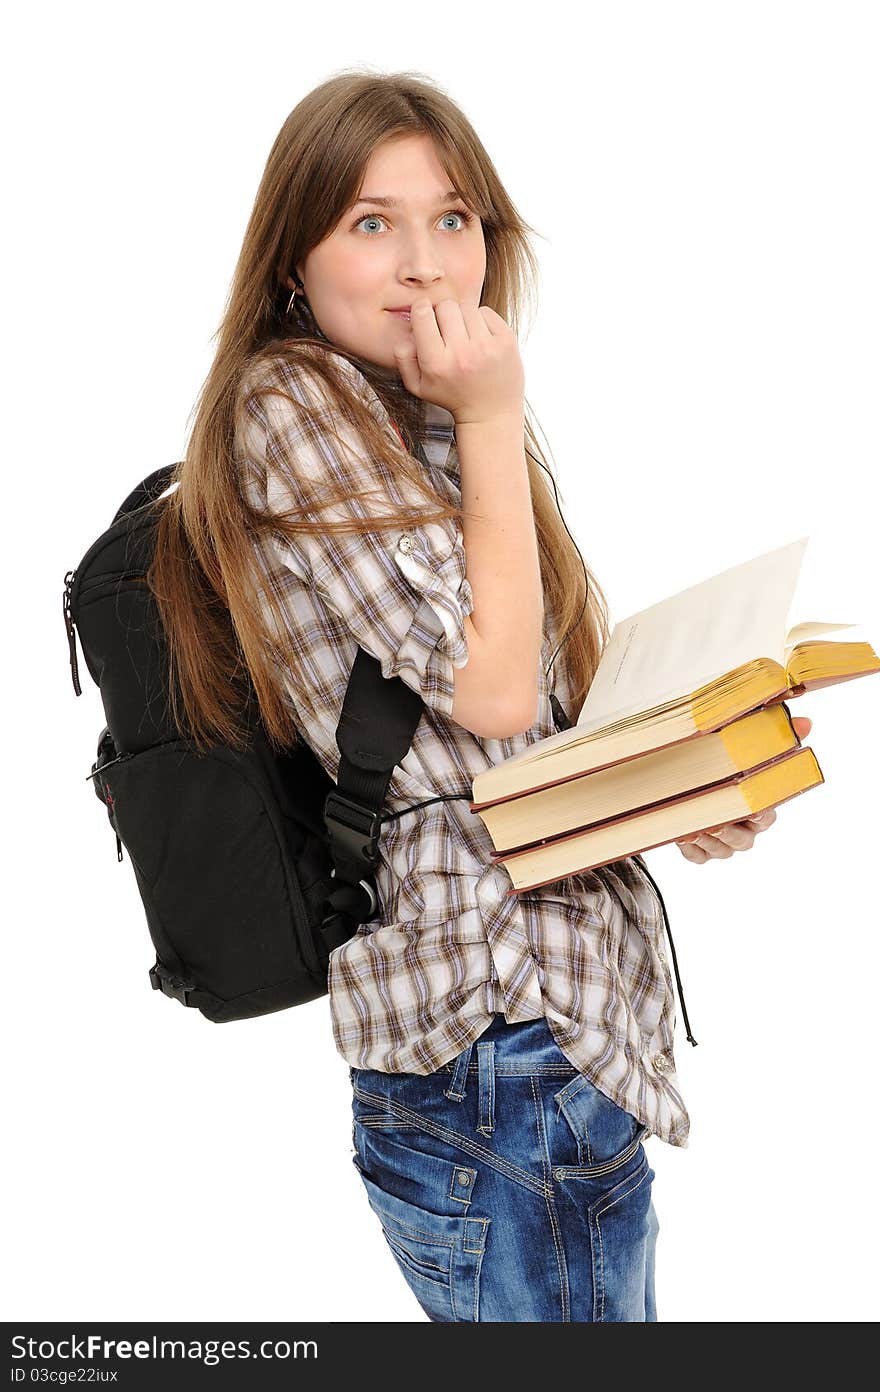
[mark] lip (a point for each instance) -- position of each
(400, 309)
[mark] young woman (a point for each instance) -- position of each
(362, 471)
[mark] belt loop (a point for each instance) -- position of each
(486, 1075)
(456, 1089)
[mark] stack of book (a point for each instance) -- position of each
(684, 728)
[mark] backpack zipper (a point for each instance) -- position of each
(71, 632)
(115, 579)
(70, 629)
(108, 797)
(113, 811)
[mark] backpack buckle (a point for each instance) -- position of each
(354, 829)
(171, 986)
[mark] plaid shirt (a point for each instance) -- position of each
(451, 948)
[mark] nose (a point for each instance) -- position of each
(418, 268)
(416, 281)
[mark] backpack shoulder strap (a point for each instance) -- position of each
(150, 488)
(376, 726)
(375, 733)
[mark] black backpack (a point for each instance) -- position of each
(252, 866)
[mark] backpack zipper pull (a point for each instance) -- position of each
(99, 768)
(71, 633)
(111, 808)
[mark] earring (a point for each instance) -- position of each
(299, 288)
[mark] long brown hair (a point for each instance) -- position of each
(203, 575)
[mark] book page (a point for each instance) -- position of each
(671, 649)
(804, 632)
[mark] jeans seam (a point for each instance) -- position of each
(550, 1201)
(507, 1070)
(505, 1167)
(596, 1215)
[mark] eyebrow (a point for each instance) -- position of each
(394, 202)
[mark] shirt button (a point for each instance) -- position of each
(407, 542)
(662, 1062)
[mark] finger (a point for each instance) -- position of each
(715, 847)
(762, 820)
(695, 854)
(738, 835)
(475, 321)
(493, 320)
(426, 330)
(451, 321)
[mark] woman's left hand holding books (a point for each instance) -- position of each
(721, 843)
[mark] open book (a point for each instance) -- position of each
(689, 665)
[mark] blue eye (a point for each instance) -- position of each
(463, 213)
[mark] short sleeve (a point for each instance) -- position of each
(401, 593)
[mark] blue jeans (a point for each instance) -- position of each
(507, 1186)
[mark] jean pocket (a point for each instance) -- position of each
(598, 1135)
(422, 1204)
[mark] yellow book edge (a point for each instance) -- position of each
(573, 803)
(787, 778)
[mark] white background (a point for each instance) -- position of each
(704, 363)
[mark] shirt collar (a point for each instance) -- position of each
(439, 427)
